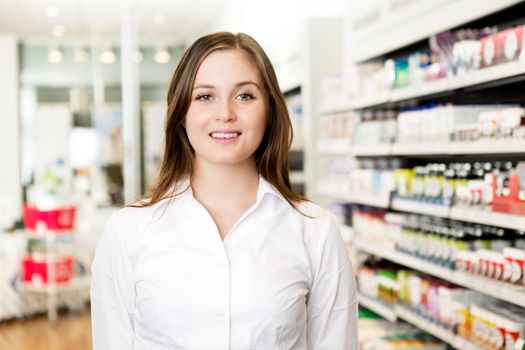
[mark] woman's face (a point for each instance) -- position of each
(226, 119)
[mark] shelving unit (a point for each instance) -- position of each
(382, 309)
(370, 199)
(396, 312)
(504, 220)
(335, 147)
(504, 291)
(481, 147)
(472, 79)
(400, 31)
(420, 207)
(302, 58)
(417, 21)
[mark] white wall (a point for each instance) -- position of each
(266, 20)
(10, 186)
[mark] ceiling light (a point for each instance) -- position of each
(80, 55)
(159, 20)
(108, 56)
(52, 11)
(55, 55)
(138, 56)
(162, 56)
(58, 30)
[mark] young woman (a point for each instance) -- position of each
(224, 254)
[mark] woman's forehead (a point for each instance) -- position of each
(227, 65)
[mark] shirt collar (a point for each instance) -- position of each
(184, 191)
(266, 187)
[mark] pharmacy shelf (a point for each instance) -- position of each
(467, 80)
(371, 150)
(373, 200)
(487, 217)
(418, 21)
(403, 259)
(382, 309)
(501, 146)
(500, 290)
(370, 199)
(419, 90)
(445, 335)
(493, 146)
(466, 214)
(394, 312)
(75, 284)
(334, 146)
(427, 148)
(419, 207)
(368, 101)
(424, 324)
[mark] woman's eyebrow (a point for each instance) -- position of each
(203, 86)
(247, 82)
(239, 84)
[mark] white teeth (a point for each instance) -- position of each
(221, 135)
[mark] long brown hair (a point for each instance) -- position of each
(272, 154)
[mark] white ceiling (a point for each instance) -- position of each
(184, 19)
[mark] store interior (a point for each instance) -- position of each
(409, 126)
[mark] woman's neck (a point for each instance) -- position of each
(225, 185)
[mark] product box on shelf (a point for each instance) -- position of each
(509, 191)
(59, 219)
(36, 269)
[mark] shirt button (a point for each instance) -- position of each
(219, 314)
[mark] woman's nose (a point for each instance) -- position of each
(226, 111)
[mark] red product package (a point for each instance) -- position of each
(61, 219)
(512, 43)
(37, 270)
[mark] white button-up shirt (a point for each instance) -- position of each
(164, 279)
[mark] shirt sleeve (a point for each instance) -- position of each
(112, 293)
(332, 300)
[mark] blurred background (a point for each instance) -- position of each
(408, 125)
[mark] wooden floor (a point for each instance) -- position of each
(72, 331)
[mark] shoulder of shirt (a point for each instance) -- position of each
(315, 217)
(139, 214)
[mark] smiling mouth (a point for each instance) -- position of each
(224, 135)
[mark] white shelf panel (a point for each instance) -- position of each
(423, 89)
(424, 324)
(496, 146)
(380, 308)
(395, 312)
(373, 200)
(347, 233)
(485, 75)
(464, 344)
(297, 177)
(76, 283)
(369, 101)
(420, 148)
(404, 259)
(334, 106)
(334, 146)
(418, 21)
(475, 77)
(418, 207)
(500, 290)
(371, 150)
(488, 147)
(488, 217)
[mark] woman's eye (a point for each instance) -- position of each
(245, 96)
(204, 97)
